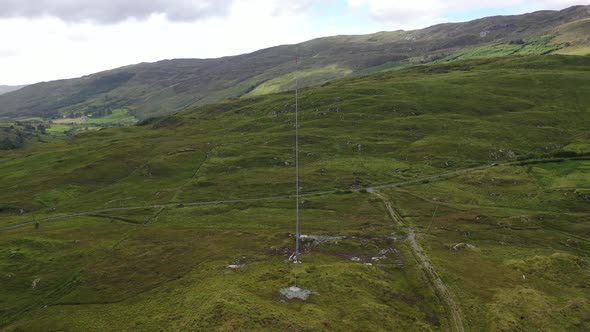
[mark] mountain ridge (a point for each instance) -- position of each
(9, 88)
(168, 86)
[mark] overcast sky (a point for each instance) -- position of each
(43, 40)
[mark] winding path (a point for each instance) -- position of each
(440, 288)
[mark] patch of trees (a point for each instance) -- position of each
(15, 136)
(12, 143)
(517, 42)
(99, 112)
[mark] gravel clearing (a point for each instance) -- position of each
(295, 292)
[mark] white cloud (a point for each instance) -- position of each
(113, 11)
(293, 7)
(50, 49)
(404, 12)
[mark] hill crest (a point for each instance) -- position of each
(167, 86)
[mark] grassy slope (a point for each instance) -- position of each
(575, 34)
(303, 78)
(377, 129)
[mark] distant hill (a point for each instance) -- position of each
(151, 89)
(9, 88)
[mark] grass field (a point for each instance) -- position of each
(58, 130)
(533, 46)
(118, 117)
(303, 77)
(134, 245)
(576, 50)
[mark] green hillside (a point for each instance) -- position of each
(445, 197)
(165, 87)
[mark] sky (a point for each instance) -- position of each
(43, 40)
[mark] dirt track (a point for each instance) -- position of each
(440, 288)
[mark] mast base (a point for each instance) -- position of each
(295, 259)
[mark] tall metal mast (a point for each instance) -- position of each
(297, 233)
